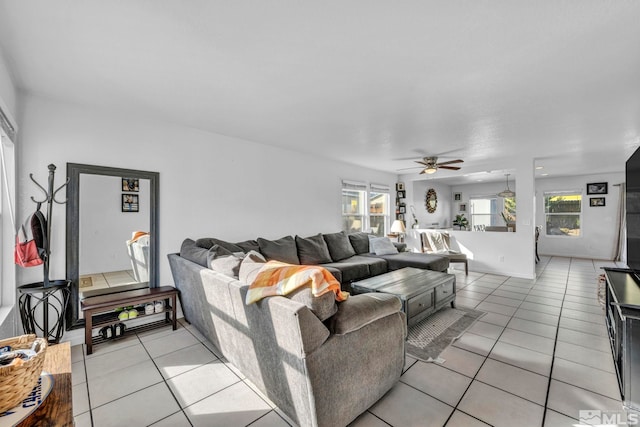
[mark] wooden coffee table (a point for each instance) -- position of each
(57, 408)
(422, 292)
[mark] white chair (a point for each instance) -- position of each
(438, 243)
(138, 248)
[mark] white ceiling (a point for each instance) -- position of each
(362, 81)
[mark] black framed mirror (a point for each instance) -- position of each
(134, 195)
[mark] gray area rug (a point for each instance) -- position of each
(428, 338)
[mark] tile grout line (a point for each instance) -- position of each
(555, 344)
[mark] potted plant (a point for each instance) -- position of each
(461, 221)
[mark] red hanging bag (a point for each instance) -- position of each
(26, 253)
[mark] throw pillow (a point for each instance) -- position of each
(312, 250)
(382, 246)
(193, 253)
(283, 249)
(339, 246)
(360, 242)
(223, 261)
(250, 266)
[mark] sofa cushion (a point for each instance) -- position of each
(312, 250)
(360, 310)
(381, 246)
(283, 249)
(350, 270)
(323, 306)
(335, 272)
(376, 265)
(223, 261)
(246, 246)
(339, 246)
(250, 266)
(360, 242)
(414, 259)
(194, 253)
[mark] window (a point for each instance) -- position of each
(7, 231)
(379, 209)
(489, 211)
(364, 210)
(484, 211)
(563, 212)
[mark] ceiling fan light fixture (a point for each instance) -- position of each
(430, 169)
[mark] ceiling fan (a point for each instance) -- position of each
(430, 164)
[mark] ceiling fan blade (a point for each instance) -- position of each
(450, 162)
(412, 167)
(453, 168)
(421, 162)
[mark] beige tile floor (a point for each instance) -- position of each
(537, 357)
(111, 279)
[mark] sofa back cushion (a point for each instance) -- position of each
(250, 266)
(312, 250)
(223, 261)
(339, 246)
(360, 242)
(283, 249)
(189, 250)
(246, 246)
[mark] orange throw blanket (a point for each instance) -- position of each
(279, 278)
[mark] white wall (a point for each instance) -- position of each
(416, 196)
(598, 225)
(490, 252)
(210, 185)
(104, 228)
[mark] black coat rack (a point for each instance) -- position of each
(56, 290)
(50, 198)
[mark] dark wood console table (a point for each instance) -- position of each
(623, 324)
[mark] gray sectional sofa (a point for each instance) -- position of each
(349, 257)
(322, 363)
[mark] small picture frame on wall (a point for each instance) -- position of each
(399, 186)
(597, 188)
(401, 194)
(597, 201)
(131, 184)
(463, 207)
(400, 217)
(130, 203)
(402, 209)
(457, 197)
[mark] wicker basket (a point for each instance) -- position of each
(16, 382)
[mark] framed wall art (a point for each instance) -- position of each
(457, 197)
(131, 184)
(463, 207)
(597, 201)
(597, 188)
(130, 203)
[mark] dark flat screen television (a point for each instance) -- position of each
(632, 171)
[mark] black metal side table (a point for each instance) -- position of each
(52, 299)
